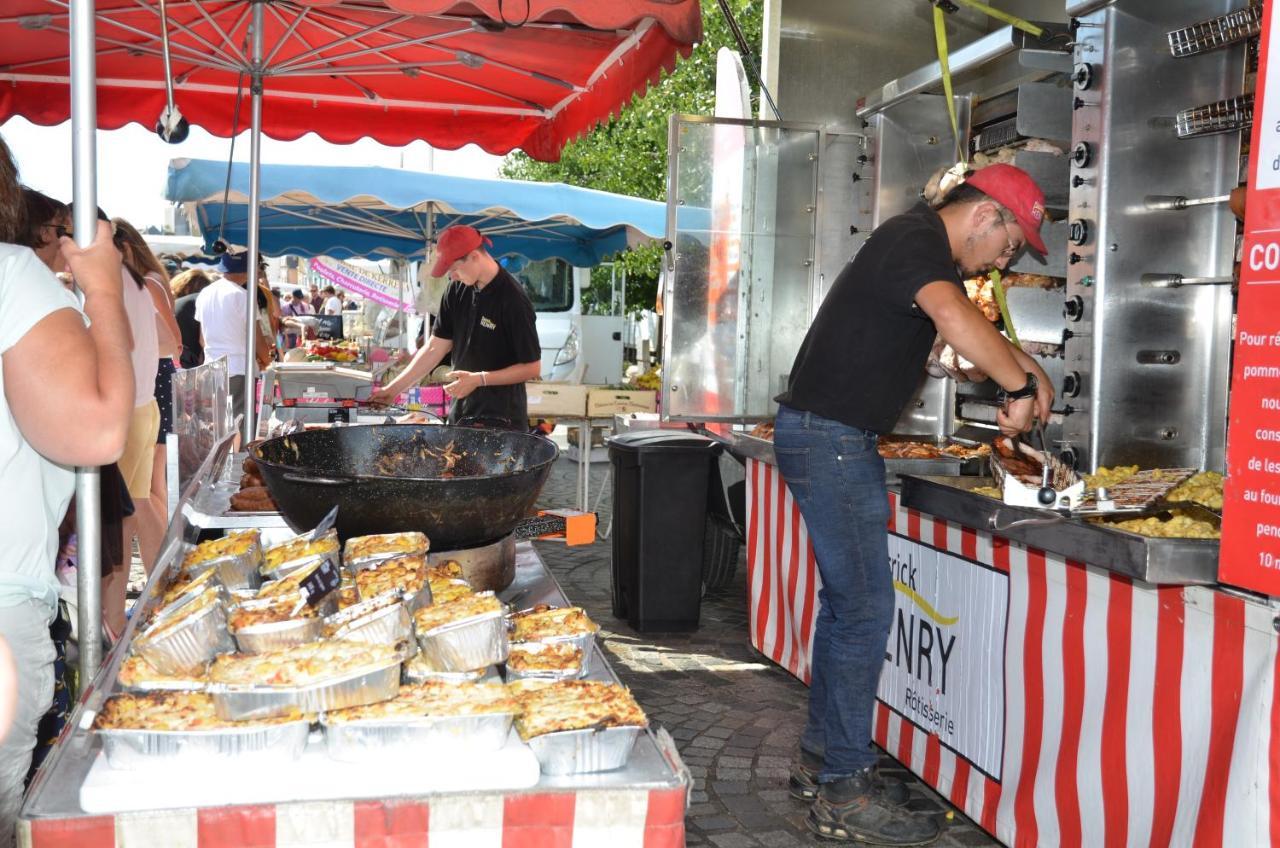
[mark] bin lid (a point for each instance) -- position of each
(644, 441)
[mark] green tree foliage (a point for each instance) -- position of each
(628, 153)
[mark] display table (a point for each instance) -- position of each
(1054, 701)
(494, 798)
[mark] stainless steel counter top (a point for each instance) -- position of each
(1147, 558)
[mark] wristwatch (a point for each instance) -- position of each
(1003, 396)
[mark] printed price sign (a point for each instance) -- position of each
(321, 582)
(1250, 555)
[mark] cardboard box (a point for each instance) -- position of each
(607, 402)
(556, 400)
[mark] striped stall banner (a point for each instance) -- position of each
(782, 572)
(621, 818)
(1135, 714)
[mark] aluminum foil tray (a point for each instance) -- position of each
(235, 572)
(357, 741)
(472, 643)
(413, 600)
(583, 751)
(417, 547)
(164, 685)
(190, 646)
(418, 671)
(583, 641)
(260, 638)
(388, 625)
(286, 568)
(241, 703)
(241, 572)
(259, 746)
(570, 674)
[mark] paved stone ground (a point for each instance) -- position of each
(735, 716)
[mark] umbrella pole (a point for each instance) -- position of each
(255, 166)
(84, 119)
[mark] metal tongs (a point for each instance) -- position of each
(1047, 495)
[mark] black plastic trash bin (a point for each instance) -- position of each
(659, 527)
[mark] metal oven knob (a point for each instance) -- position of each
(1081, 154)
(1071, 384)
(1083, 76)
(1073, 309)
(1078, 231)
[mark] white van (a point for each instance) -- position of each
(576, 348)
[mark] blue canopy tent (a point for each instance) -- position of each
(385, 212)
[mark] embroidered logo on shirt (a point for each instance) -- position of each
(487, 324)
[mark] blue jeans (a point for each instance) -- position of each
(836, 476)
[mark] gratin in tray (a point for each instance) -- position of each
(285, 569)
(572, 673)
(592, 749)
(471, 643)
(381, 620)
(582, 641)
(367, 686)
(262, 745)
(236, 571)
(357, 741)
(274, 635)
(417, 670)
(190, 645)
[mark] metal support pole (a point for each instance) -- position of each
(84, 120)
(255, 166)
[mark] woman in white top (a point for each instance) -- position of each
(151, 515)
(66, 391)
(139, 448)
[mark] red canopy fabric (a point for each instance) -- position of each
(504, 74)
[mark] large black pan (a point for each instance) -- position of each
(391, 478)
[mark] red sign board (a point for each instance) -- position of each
(1251, 513)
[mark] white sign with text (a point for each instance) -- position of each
(944, 662)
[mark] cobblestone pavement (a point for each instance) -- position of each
(735, 716)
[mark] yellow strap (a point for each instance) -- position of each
(1012, 20)
(940, 35)
(997, 288)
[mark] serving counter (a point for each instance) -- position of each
(497, 797)
(1057, 698)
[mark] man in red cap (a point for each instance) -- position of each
(486, 323)
(857, 368)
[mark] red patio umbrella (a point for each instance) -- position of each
(504, 74)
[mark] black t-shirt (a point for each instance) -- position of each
(491, 328)
(184, 310)
(865, 353)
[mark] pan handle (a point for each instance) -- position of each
(319, 481)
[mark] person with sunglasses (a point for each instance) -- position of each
(860, 362)
(47, 221)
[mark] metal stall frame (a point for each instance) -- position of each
(84, 192)
(813, 262)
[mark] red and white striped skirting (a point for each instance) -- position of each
(636, 818)
(1135, 714)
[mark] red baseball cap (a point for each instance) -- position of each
(454, 243)
(1014, 189)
